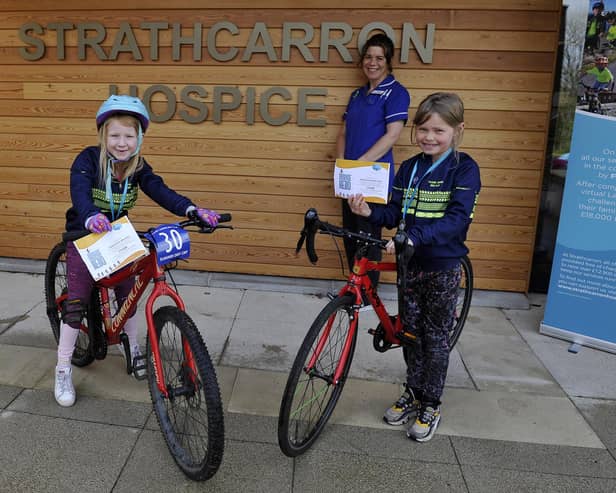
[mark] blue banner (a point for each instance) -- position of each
(581, 298)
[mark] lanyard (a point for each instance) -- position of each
(410, 196)
(109, 193)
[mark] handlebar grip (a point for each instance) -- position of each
(224, 218)
(311, 219)
(312, 254)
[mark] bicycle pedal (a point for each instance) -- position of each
(140, 366)
(406, 337)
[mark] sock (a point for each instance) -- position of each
(130, 329)
(66, 345)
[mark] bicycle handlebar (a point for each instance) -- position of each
(193, 220)
(312, 224)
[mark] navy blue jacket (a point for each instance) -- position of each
(441, 211)
(88, 194)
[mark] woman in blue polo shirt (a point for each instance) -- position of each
(373, 120)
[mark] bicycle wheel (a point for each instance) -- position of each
(191, 416)
(465, 294)
(55, 297)
(310, 396)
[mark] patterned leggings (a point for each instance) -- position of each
(430, 304)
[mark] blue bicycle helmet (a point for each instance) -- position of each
(124, 105)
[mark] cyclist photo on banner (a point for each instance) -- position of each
(373, 121)
(603, 78)
(104, 184)
(596, 27)
(432, 203)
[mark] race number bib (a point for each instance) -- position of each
(171, 243)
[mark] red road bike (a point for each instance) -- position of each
(323, 361)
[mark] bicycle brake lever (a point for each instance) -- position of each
(300, 242)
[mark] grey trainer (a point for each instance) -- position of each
(402, 410)
(425, 424)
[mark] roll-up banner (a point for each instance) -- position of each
(581, 299)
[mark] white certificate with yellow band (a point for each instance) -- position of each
(368, 178)
(108, 252)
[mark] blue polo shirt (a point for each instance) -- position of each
(367, 115)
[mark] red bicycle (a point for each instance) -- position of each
(181, 377)
(323, 361)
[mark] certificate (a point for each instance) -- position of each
(108, 252)
(368, 178)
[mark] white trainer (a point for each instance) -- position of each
(64, 392)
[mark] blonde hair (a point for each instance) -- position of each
(131, 166)
(449, 107)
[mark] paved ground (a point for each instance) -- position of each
(520, 412)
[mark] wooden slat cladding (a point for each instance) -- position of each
(499, 56)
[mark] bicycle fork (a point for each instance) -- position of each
(162, 289)
(344, 355)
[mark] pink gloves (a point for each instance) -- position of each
(98, 223)
(208, 216)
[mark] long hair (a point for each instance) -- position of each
(131, 166)
(449, 107)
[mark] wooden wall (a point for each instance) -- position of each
(499, 56)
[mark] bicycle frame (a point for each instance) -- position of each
(144, 269)
(359, 279)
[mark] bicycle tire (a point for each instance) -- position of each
(191, 418)
(55, 294)
(465, 295)
(309, 400)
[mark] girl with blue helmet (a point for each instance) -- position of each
(104, 183)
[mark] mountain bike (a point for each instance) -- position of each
(591, 98)
(181, 377)
(323, 361)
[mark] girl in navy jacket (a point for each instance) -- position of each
(433, 200)
(104, 184)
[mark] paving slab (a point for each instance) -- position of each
(588, 373)
(323, 471)
(601, 416)
(26, 290)
(488, 480)
(34, 448)
(498, 358)
(246, 467)
(257, 392)
(24, 366)
(515, 417)
(386, 442)
(90, 409)
(31, 330)
(277, 307)
(8, 394)
(262, 344)
(548, 459)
